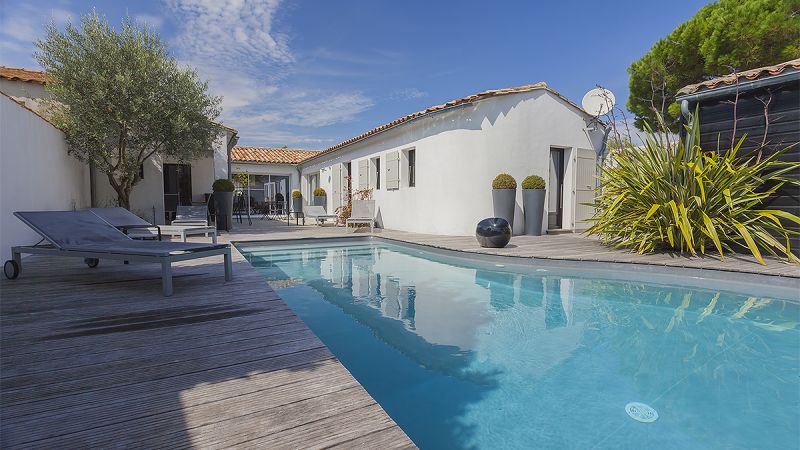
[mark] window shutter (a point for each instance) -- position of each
(336, 185)
(363, 174)
(393, 170)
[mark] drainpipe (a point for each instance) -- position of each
(92, 193)
(231, 143)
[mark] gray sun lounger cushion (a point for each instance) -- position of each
(83, 230)
(120, 217)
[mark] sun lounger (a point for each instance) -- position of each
(138, 228)
(83, 234)
(191, 215)
(318, 213)
(363, 212)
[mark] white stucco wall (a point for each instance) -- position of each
(458, 154)
(147, 197)
(36, 173)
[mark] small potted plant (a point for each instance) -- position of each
(223, 203)
(533, 194)
(297, 201)
(504, 196)
(320, 197)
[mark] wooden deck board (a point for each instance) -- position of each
(99, 358)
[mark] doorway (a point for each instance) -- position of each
(177, 188)
(555, 194)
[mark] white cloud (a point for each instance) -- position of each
(231, 30)
(149, 19)
(407, 94)
(237, 47)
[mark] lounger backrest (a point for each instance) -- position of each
(314, 211)
(191, 213)
(71, 229)
(363, 209)
(119, 217)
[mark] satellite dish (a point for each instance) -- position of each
(598, 101)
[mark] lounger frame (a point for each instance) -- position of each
(165, 260)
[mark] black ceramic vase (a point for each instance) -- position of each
(493, 232)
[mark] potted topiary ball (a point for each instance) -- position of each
(533, 195)
(223, 203)
(320, 197)
(297, 201)
(504, 196)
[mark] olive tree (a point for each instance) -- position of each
(120, 98)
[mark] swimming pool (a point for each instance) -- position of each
(468, 353)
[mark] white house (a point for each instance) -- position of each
(36, 173)
(432, 170)
(264, 172)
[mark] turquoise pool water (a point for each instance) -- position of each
(466, 354)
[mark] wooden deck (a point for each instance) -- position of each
(97, 358)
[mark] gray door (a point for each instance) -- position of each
(555, 189)
(585, 182)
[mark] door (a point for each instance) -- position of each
(177, 188)
(555, 190)
(585, 182)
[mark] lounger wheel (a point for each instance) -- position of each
(11, 269)
(91, 262)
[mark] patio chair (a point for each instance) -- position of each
(363, 212)
(191, 215)
(126, 221)
(138, 228)
(82, 234)
(318, 214)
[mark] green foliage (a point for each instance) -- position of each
(533, 182)
(222, 185)
(297, 194)
(120, 99)
(504, 181)
(740, 34)
(676, 196)
(242, 178)
(319, 192)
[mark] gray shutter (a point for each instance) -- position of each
(585, 182)
(393, 170)
(336, 185)
(363, 174)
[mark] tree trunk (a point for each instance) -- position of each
(123, 191)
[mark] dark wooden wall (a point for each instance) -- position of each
(716, 127)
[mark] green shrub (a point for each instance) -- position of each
(676, 196)
(504, 181)
(222, 185)
(533, 182)
(319, 192)
(297, 194)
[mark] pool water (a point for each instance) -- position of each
(474, 354)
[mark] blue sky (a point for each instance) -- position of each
(310, 74)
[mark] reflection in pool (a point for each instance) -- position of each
(466, 354)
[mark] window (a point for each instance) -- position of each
(392, 171)
(412, 168)
(376, 172)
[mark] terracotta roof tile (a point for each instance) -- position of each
(747, 75)
(461, 101)
(271, 155)
(18, 73)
